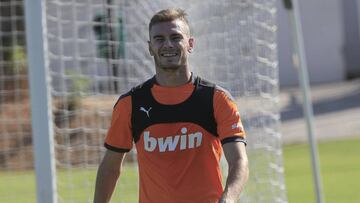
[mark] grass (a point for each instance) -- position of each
(17, 187)
(20, 186)
(340, 168)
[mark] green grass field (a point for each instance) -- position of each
(340, 168)
(18, 187)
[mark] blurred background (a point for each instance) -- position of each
(331, 31)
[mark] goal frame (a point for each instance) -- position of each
(41, 115)
(45, 130)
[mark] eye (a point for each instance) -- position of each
(158, 39)
(177, 37)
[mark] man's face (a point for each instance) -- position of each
(170, 44)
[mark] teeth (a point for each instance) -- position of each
(169, 55)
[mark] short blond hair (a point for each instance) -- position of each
(169, 15)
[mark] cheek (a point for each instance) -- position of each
(155, 46)
(184, 46)
(155, 51)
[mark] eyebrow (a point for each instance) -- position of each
(161, 36)
(175, 34)
(157, 36)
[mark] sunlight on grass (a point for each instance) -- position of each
(340, 170)
(76, 185)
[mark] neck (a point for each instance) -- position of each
(172, 78)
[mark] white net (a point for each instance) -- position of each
(98, 50)
(103, 43)
(16, 157)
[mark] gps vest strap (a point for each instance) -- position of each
(197, 109)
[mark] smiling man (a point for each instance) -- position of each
(170, 43)
(180, 125)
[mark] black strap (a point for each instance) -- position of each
(198, 108)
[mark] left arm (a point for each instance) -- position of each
(235, 154)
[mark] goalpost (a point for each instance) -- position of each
(91, 51)
(42, 127)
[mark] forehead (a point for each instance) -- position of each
(169, 27)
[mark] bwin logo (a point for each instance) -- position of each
(171, 142)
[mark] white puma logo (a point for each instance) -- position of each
(146, 111)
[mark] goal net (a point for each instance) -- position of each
(15, 129)
(97, 50)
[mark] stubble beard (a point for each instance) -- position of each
(170, 68)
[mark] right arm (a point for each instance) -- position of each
(107, 176)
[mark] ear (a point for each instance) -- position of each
(150, 50)
(191, 44)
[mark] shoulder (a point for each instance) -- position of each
(204, 82)
(219, 92)
(123, 99)
(127, 96)
(145, 85)
(222, 93)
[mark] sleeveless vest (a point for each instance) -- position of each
(197, 109)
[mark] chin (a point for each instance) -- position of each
(170, 68)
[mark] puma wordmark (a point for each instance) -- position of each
(170, 143)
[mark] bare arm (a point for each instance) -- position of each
(235, 154)
(107, 176)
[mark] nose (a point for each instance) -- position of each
(168, 44)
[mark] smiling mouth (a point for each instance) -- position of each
(169, 54)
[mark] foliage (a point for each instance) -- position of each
(77, 84)
(20, 59)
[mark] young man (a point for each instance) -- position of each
(180, 125)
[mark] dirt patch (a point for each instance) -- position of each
(78, 133)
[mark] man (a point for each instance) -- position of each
(180, 125)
